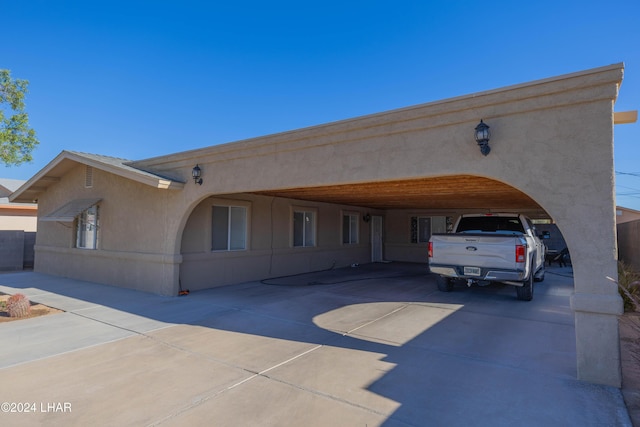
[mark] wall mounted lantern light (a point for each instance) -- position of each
(197, 175)
(482, 137)
(366, 217)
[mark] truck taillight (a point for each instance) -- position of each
(430, 249)
(521, 252)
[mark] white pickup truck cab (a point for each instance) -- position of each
(484, 248)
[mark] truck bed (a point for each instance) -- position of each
(499, 247)
(476, 249)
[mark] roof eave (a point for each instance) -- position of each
(29, 191)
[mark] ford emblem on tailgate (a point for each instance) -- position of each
(472, 248)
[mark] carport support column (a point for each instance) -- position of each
(597, 337)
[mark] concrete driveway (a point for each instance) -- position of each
(375, 345)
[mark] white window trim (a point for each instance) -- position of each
(79, 230)
(301, 209)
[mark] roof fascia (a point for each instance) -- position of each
(143, 177)
(138, 175)
(41, 174)
(574, 81)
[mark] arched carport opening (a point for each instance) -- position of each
(437, 197)
(269, 250)
(445, 195)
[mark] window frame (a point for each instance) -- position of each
(415, 235)
(313, 212)
(229, 227)
(82, 229)
(354, 219)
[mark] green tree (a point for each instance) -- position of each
(17, 139)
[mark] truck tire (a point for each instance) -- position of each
(525, 292)
(445, 284)
(539, 277)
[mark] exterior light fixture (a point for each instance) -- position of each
(197, 174)
(366, 217)
(482, 137)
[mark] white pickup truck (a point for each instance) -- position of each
(488, 248)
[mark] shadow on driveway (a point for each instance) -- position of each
(376, 344)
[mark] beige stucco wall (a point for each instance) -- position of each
(397, 234)
(269, 252)
(11, 221)
(552, 140)
(132, 241)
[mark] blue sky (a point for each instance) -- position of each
(139, 79)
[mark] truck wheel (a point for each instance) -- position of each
(445, 284)
(539, 277)
(525, 292)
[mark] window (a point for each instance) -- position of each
(350, 229)
(87, 228)
(229, 228)
(304, 228)
(490, 224)
(420, 229)
(440, 224)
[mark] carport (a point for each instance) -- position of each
(551, 156)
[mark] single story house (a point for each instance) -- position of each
(18, 223)
(16, 216)
(360, 190)
(624, 215)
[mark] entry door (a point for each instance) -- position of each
(376, 239)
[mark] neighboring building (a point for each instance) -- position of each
(626, 215)
(628, 231)
(16, 216)
(18, 223)
(354, 191)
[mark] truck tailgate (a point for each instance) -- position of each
(475, 250)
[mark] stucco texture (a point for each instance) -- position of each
(551, 139)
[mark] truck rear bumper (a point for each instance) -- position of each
(456, 272)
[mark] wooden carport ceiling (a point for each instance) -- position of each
(460, 192)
